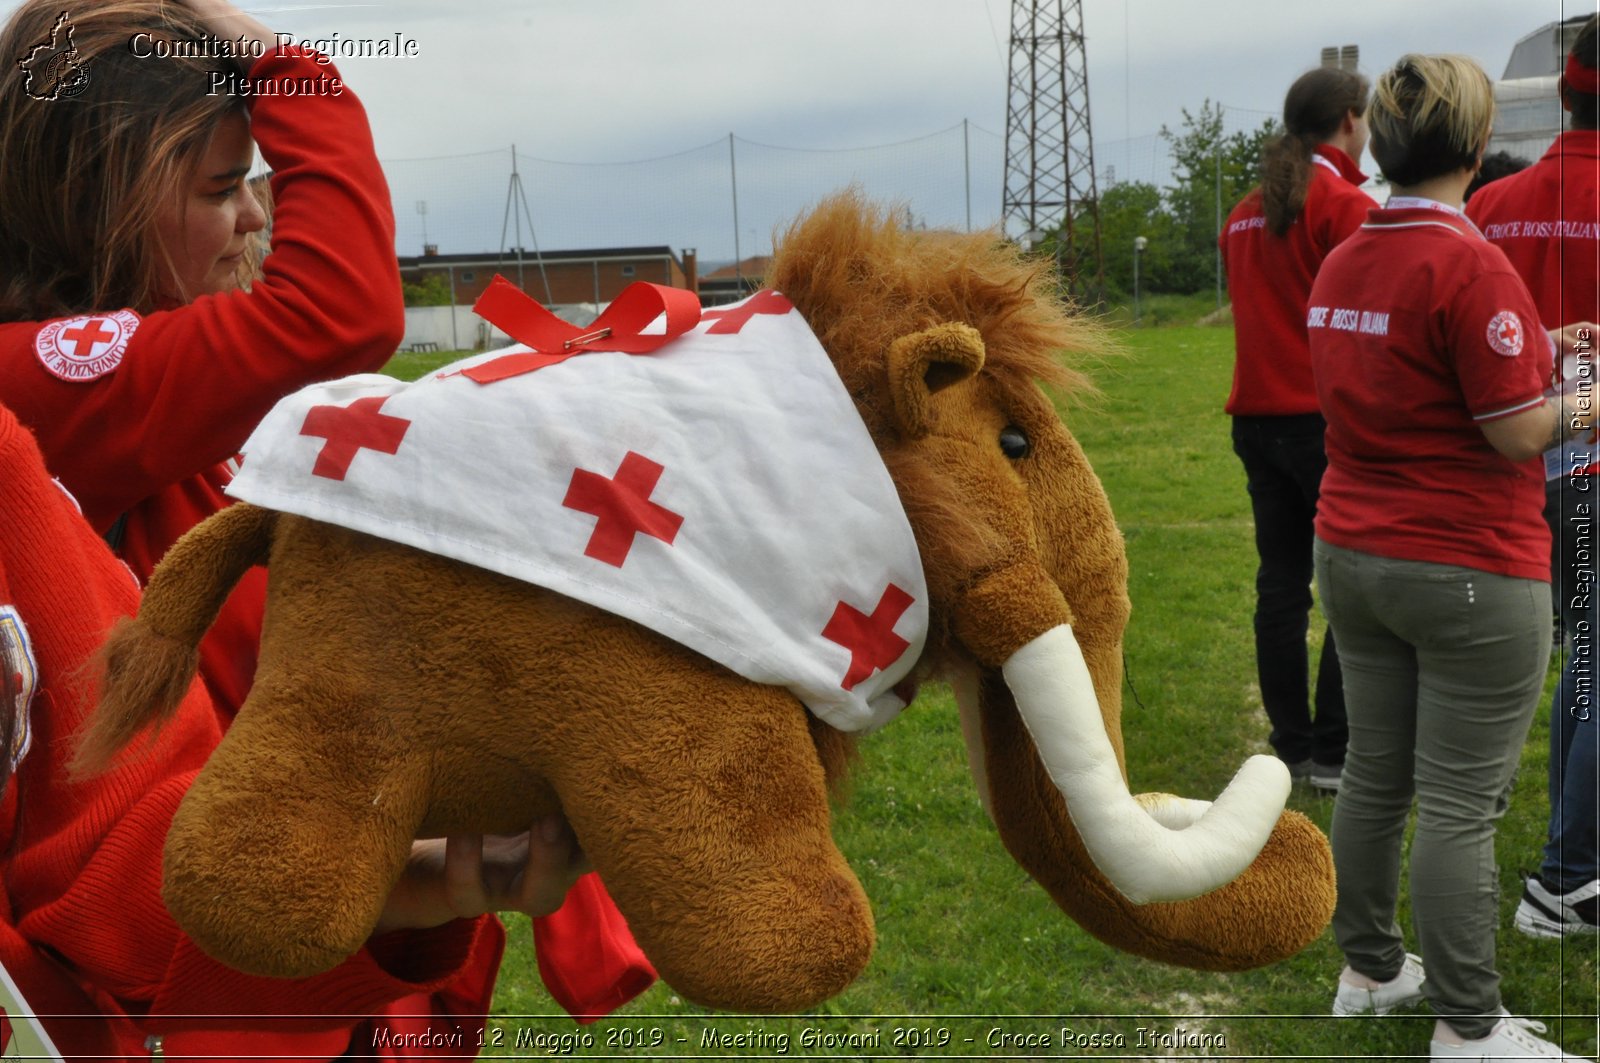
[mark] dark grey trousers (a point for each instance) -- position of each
(1443, 668)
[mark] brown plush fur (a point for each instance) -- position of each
(401, 694)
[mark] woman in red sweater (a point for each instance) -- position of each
(1274, 243)
(83, 933)
(142, 335)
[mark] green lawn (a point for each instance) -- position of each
(969, 950)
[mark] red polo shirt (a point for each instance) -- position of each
(1269, 279)
(1420, 331)
(1547, 221)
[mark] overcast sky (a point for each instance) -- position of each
(614, 81)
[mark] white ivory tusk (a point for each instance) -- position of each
(1144, 859)
(1172, 811)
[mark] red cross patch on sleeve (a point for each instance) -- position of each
(1505, 333)
(87, 347)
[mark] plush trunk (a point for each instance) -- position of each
(1258, 918)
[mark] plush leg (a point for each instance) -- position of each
(282, 853)
(706, 815)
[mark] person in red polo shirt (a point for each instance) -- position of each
(1273, 244)
(1547, 221)
(1432, 558)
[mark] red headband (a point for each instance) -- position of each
(1580, 78)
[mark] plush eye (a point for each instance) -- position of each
(1014, 442)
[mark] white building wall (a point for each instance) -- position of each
(1527, 116)
(457, 328)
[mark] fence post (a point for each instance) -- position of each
(738, 260)
(1217, 245)
(966, 156)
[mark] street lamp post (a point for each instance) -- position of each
(1139, 244)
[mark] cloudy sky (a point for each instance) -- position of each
(661, 84)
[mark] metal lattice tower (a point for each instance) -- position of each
(1049, 149)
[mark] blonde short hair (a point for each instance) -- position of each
(1430, 115)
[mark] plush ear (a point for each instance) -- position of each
(929, 361)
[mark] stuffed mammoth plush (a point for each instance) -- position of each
(404, 691)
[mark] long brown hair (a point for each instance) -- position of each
(1313, 109)
(97, 134)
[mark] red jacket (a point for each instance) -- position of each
(1269, 279)
(146, 428)
(82, 927)
(1547, 221)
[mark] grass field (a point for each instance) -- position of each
(969, 949)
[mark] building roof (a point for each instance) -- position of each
(1528, 115)
(1543, 52)
(491, 258)
(754, 266)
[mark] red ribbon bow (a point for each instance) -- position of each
(553, 340)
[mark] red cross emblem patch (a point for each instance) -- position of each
(83, 348)
(1506, 333)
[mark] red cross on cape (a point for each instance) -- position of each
(871, 640)
(766, 301)
(622, 508)
(350, 430)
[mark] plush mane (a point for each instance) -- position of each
(862, 281)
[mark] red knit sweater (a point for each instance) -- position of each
(82, 927)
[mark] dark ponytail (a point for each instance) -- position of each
(1313, 110)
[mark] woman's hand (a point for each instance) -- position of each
(470, 875)
(1575, 370)
(229, 23)
(1576, 339)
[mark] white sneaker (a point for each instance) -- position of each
(1543, 914)
(1403, 989)
(1512, 1038)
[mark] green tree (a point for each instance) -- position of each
(432, 290)
(1127, 211)
(1212, 171)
